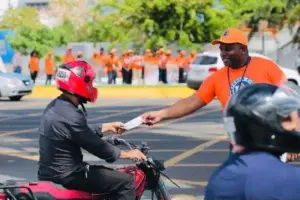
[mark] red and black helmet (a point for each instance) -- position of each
(77, 78)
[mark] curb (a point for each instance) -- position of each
(124, 92)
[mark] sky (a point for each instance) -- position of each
(4, 5)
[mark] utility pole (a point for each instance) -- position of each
(9, 3)
(263, 25)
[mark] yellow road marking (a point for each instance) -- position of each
(190, 152)
(167, 150)
(197, 165)
(8, 133)
(188, 182)
(215, 150)
(183, 196)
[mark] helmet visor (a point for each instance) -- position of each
(284, 101)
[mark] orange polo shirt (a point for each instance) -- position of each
(34, 64)
(259, 70)
(110, 61)
(68, 58)
(49, 66)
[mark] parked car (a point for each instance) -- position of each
(209, 62)
(14, 85)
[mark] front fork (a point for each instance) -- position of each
(161, 191)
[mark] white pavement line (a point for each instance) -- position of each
(20, 116)
(8, 133)
(4, 178)
(169, 122)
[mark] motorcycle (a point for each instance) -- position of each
(147, 175)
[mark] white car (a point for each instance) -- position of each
(209, 62)
(14, 85)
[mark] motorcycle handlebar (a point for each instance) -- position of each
(114, 140)
(144, 148)
(117, 141)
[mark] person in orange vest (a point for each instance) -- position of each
(49, 68)
(148, 57)
(112, 65)
(96, 64)
(136, 66)
(182, 64)
(123, 65)
(127, 68)
(158, 58)
(34, 65)
(102, 58)
(68, 57)
(162, 64)
(167, 59)
(79, 55)
(191, 58)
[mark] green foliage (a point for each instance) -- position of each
(149, 24)
(162, 22)
(275, 12)
(14, 17)
(40, 39)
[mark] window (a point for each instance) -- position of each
(205, 60)
(40, 5)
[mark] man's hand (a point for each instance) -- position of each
(181, 108)
(132, 154)
(153, 117)
(115, 127)
(291, 157)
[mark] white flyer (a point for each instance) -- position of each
(136, 122)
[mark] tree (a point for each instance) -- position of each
(41, 39)
(162, 22)
(293, 17)
(75, 11)
(14, 17)
(274, 13)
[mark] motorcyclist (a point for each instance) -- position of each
(265, 120)
(64, 131)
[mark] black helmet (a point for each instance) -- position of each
(253, 117)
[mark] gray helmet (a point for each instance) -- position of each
(253, 117)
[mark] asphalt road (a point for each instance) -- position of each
(192, 147)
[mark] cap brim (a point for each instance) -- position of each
(214, 42)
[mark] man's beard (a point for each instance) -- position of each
(233, 63)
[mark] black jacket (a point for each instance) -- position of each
(63, 132)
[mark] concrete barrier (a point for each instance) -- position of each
(124, 92)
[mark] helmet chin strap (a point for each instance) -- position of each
(83, 109)
(82, 101)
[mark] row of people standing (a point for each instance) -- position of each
(131, 65)
(128, 67)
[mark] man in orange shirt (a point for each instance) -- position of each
(112, 65)
(240, 70)
(34, 65)
(191, 59)
(68, 57)
(49, 67)
(182, 63)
